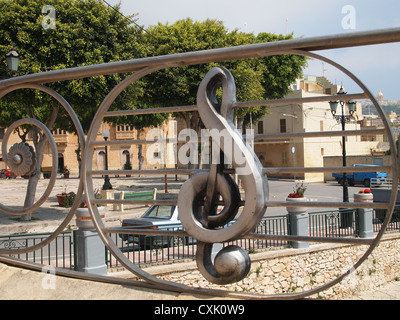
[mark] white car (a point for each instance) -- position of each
(157, 217)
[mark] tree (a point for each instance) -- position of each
(86, 32)
(256, 78)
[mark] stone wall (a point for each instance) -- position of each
(297, 270)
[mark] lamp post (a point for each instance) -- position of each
(107, 185)
(12, 59)
(343, 119)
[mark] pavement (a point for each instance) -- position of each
(24, 284)
(17, 283)
(387, 291)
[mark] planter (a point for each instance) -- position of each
(298, 222)
(84, 220)
(296, 209)
(60, 199)
(66, 175)
(362, 197)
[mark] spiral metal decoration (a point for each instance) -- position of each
(202, 193)
(22, 159)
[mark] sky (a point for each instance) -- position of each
(377, 66)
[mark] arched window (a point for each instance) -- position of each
(101, 160)
(125, 156)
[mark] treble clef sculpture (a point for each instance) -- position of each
(202, 221)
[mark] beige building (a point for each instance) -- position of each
(311, 117)
(154, 154)
(280, 152)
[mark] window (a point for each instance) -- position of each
(58, 131)
(260, 127)
(124, 127)
(284, 158)
(161, 212)
(282, 124)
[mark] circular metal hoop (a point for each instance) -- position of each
(52, 181)
(81, 137)
(162, 284)
(88, 183)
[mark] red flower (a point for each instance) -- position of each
(294, 195)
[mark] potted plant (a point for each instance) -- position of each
(297, 196)
(66, 172)
(364, 195)
(83, 218)
(69, 199)
(128, 166)
(62, 196)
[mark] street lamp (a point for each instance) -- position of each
(107, 185)
(13, 59)
(343, 119)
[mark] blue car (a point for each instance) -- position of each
(363, 178)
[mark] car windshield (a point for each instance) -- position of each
(160, 212)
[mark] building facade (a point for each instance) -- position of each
(153, 154)
(311, 117)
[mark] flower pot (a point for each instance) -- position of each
(66, 175)
(362, 197)
(296, 209)
(60, 199)
(84, 220)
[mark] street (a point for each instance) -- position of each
(330, 191)
(50, 214)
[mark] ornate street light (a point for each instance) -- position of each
(107, 184)
(13, 59)
(343, 119)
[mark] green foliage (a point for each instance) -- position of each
(87, 32)
(256, 79)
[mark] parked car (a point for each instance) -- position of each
(157, 217)
(363, 178)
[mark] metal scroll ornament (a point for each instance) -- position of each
(200, 196)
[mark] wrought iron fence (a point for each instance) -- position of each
(144, 250)
(58, 253)
(336, 223)
(379, 216)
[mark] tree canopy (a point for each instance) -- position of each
(256, 79)
(86, 32)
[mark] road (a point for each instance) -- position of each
(327, 192)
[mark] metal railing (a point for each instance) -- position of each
(335, 223)
(149, 249)
(381, 183)
(156, 250)
(57, 253)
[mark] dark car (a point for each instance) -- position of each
(157, 217)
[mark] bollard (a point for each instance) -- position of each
(364, 216)
(298, 223)
(89, 248)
